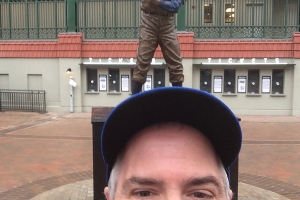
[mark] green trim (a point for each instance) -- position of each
(71, 15)
(27, 19)
(181, 18)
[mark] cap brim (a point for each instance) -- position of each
(193, 107)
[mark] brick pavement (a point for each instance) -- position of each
(49, 156)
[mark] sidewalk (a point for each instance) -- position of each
(49, 156)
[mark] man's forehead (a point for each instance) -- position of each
(167, 134)
(175, 129)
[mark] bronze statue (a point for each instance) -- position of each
(157, 27)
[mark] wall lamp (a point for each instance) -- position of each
(69, 70)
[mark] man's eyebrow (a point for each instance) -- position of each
(205, 180)
(141, 181)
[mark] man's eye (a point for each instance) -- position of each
(202, 195)
(143, 193)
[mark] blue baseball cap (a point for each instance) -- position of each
(189, 106)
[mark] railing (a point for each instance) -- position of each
(109, 19)
(32, 19)
(23, 100)
(120, 19)
(104, 19)
(242, 18)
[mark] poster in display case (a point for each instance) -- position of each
(266, 84)
(148, 83)
(217, 84)
(241, 84)
(125, 83)
(102, 82)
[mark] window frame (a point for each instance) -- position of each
(232, 7)
(163, 84)
(91, 82)
(111, 80)
(203, 83)
(211, 21)
(252, 85)
(277, 85)
(229, 82)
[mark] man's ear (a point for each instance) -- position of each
(230, 194)
(106, 193)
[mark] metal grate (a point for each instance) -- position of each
(23, 100)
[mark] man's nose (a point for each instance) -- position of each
(173, 195)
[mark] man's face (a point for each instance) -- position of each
(170, 161)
